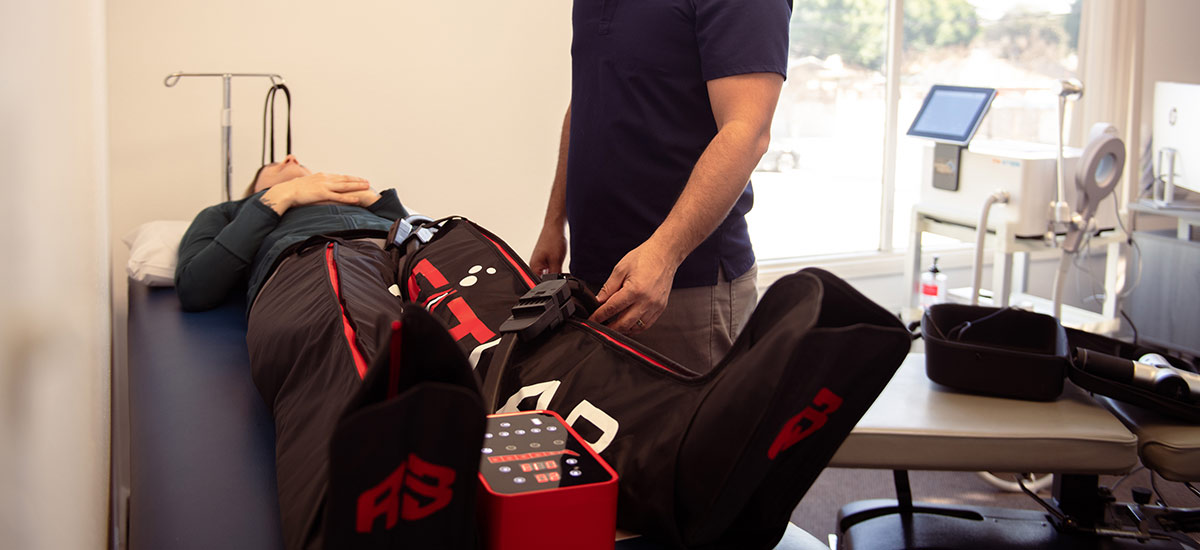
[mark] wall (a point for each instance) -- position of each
(456, 107)
(1171, 43)
(54, 322)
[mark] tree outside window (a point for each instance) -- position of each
(818, 188)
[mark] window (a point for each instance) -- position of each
(819, 188)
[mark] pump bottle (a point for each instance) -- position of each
(933, 286)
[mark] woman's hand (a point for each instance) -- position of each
(364, 198)
(319, 187)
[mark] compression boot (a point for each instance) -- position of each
(405, 454)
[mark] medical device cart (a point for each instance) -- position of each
(1010, 268)
(1165, 305)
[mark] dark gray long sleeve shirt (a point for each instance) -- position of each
(235, 244)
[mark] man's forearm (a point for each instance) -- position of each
(714, 186)
(556, 210)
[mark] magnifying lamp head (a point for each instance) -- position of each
(1099, 170)
(1104, 171)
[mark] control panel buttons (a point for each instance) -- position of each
(538, 453)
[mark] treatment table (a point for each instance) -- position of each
(202, 467)
(202, 442)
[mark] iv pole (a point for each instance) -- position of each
(226, 117)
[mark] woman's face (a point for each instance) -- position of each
(278, 172)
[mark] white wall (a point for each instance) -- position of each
(1171, 43)
(456, 105)
(54, 288)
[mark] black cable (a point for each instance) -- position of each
(1125, 477)
(267, 104)
(269, 107)
(1131, 325)
(957, 331)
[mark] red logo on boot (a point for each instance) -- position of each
(811, 419)
(391, 500)
(468, 322)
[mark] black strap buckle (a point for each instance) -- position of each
(543, 308)
(416, 227)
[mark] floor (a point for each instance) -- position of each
(817, 512)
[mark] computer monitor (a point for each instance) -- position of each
(951, 114)
(1177, 134)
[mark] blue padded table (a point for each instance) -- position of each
(202, 442)
(202, 458)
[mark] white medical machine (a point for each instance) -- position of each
(1176, 143)
(957, 179)
(1062, 198)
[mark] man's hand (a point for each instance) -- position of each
(636, 292)
(550, 250)
(315, 188)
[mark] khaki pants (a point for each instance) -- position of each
(700, 324)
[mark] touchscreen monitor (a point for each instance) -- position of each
(951, 114)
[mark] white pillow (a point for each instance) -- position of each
(153, 251)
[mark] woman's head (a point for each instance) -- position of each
(277, 172)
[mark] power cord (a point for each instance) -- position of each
(1125, 477)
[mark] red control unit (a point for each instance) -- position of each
(543, 487)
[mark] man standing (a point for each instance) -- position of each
(671, 106)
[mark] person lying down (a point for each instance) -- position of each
(352, 367)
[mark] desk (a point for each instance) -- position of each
(917, 425)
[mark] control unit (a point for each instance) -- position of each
(542, 486)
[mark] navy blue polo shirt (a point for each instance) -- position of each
(641, 117)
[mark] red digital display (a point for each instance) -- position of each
(547, 477)
(538, 466)
(527, 456)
